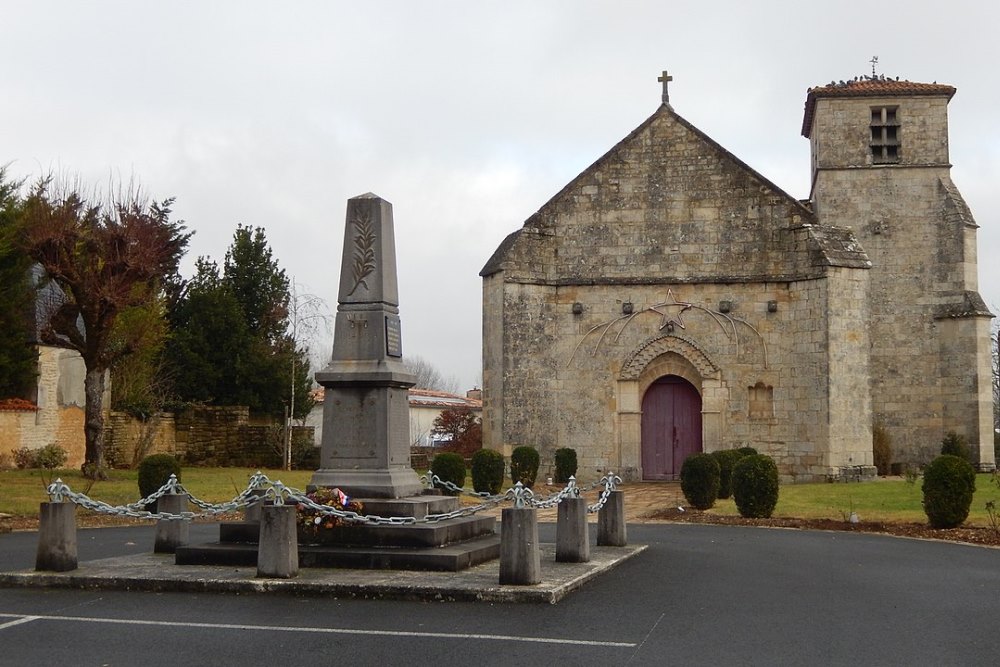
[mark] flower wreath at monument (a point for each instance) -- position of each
(313, 523)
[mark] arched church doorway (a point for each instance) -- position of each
(671, 426)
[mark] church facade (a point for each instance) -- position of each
(671, 300)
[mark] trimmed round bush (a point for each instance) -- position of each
(524, 461)
(487, 471)
(154, 471)
(450, 467)
(700, 480)
(949, 482)
(755, 486)
(747, 451)
(727, 460)
(565, 464)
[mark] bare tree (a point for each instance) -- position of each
(428, 376)
(307, 316)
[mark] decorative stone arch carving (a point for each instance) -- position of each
(656, 347)
(666, 355)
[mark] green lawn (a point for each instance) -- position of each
(886, 500)
(892, 500)
(22, 490)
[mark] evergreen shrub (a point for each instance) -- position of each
(450, 467)
(949, 482)
(700, 480)
(524, 461)
(154, 471)
(881, 449)
(747, 451)
(755, 486)
(954, 444)
(565, 464)
(487, 471)
(50, 457)
(727, 460)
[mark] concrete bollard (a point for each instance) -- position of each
(171, 534)
(519, 560)
(56, 537)
(611, 521)
(278, 549)
(252, 512)
(572, 535)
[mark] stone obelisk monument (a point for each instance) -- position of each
(366, 412)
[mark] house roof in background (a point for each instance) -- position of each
(425, 398)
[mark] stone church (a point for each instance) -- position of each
(672, 300)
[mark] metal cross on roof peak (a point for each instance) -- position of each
(665, 79)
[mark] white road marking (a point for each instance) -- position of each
(17, 620)
(331, 631)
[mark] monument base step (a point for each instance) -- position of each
(449, 558)
(388, 535)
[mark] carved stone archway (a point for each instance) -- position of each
(656, 358)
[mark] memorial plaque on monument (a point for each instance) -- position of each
(393, 337)
(366, 420)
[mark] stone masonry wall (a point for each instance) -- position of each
(927, 371)
(568, 394)
(669, 210)
(208, 436)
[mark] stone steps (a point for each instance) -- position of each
(449, 558)
(450, 545)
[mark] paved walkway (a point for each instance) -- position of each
(641, 499)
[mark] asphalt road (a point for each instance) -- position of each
(698, 595)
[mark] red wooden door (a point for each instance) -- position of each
(671, 426)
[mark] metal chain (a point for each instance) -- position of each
(610, 481)
(261, 489)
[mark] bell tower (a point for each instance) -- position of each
(880, 165)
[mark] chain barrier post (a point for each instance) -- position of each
(171, 533)
(56, 532)
(255, 499)
(611, 516)
(572, 534)
(278, 546)
(520, 563)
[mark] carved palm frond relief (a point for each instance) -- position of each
(364, 250)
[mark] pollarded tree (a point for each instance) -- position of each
(105, 258)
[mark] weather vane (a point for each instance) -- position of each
(873, 61)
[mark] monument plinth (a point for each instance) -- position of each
(366, 413)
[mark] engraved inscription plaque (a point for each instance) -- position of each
(393, 339)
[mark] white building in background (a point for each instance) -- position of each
(425, 406)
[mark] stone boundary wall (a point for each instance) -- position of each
(206, 436)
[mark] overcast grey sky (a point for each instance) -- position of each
(467, 116)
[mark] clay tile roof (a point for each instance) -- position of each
(870, 87)
(442, 399)
(418, 397)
